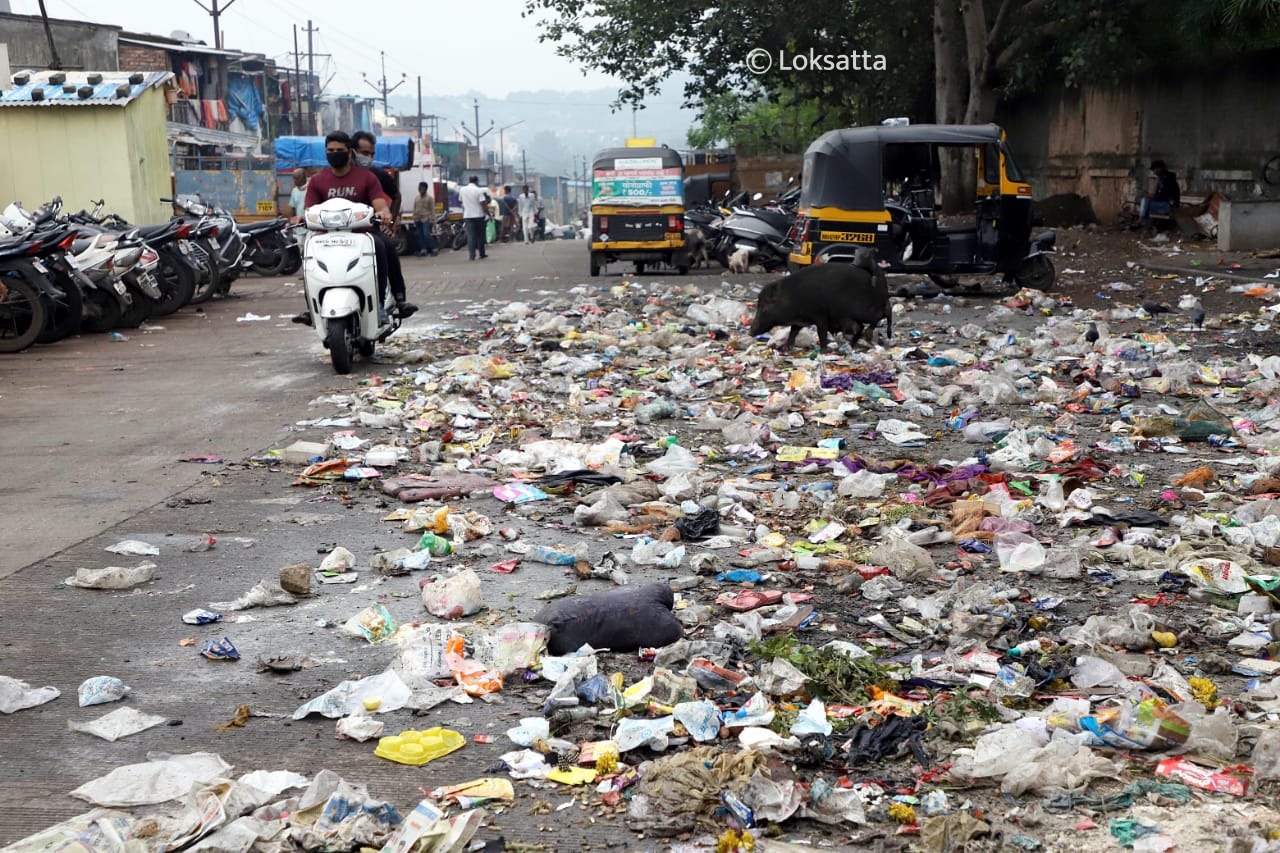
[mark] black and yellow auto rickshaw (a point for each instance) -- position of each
(637, 208)
(880, 186)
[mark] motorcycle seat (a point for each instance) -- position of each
(260, 227)
(16, 249)
(153, 232)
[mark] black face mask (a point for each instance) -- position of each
(337, 159)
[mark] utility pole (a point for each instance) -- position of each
(384, 90)
(476, 134)
(55, 62)
(311, 75)
(297, 81)
(524, 167)
(215, 11)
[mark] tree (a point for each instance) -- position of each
(644, 42)
(778, 125)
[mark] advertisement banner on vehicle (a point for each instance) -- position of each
(637, 181)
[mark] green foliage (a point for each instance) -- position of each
(764, 126)
(834, 676)
(645, 42)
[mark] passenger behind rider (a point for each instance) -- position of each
(343, 179)
(363, 147)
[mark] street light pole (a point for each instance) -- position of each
(502, 154)
(384, 90)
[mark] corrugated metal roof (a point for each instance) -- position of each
(104, 93)
(148, 40)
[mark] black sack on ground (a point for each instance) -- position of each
(705, 524)
(621, 620)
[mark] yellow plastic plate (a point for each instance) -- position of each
(414, 747)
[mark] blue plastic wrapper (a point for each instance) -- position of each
(219, 650)
(740, 811)
(594, 690)
(200, 616)
(740, 576)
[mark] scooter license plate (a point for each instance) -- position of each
(120, 288)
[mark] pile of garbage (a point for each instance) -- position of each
(1025, 558)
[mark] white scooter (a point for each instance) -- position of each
(340, 281)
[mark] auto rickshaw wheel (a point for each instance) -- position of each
(946, 282)
(595, 265)
(1036, 273)
(639, 267)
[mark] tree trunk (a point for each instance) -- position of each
(54, 62)
(951, 82)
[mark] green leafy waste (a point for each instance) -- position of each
(833, 675)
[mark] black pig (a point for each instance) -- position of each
(834, 297)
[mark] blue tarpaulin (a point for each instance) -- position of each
(292, 152)
(243, 101)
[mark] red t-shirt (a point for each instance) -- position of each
(358, 185)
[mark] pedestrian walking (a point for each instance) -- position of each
(475, 202)
(527, 206)
(298, 196)
(510, 208)
(424, 219)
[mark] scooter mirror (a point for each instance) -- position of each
(757, 196)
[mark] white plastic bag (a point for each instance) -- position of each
(120, 723)
(676, 460)
(113, 577)
(134, 548)
(1019, 552)
(17, 695)
(359, 727)
(454, 597)
(338, 560)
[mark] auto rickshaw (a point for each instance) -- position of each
(637, 208)
(879, 186)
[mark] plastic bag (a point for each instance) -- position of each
(530, 731)
(17, 695)
(812, 720)
(677, 460)
(359, 727)
(338, 560)
(120, 723)
(375, 624)
(134, 548)
(1062, 765)
(605, 509)
(101, 689)
(620, 620)
(454, 597)
(700, 719)
(864, 484)
(470, 675)
(1219, 576)
(905, 560)
(634, 732)
(113, 577)
(1019, 552)
(419, 660)
(349, 696)
(511, 648)
(1002, 751)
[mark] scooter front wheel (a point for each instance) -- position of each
(335, 338)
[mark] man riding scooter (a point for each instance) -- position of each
(345, 180)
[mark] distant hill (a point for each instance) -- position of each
(558, 128)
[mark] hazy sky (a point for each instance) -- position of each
(452, 45)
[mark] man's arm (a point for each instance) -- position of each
(377, 198)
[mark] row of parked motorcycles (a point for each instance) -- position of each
(743, 222)
(66, 273)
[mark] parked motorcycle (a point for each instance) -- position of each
(340, 281)
(22, 307)
(762, 231)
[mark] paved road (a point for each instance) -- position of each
(95, 427)
(95, 430)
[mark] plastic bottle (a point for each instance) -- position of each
(552, 557)
(438, 546)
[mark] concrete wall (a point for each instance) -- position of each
(1215, 127)
(81, 46)
(114, 153)
(1245, 226)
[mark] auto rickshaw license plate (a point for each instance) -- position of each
(847, 236)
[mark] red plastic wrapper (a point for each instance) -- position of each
(1232, 780)
(506, 567)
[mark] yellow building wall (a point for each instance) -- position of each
(87, 153)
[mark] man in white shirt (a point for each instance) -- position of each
(528, 207)
(475, 202)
